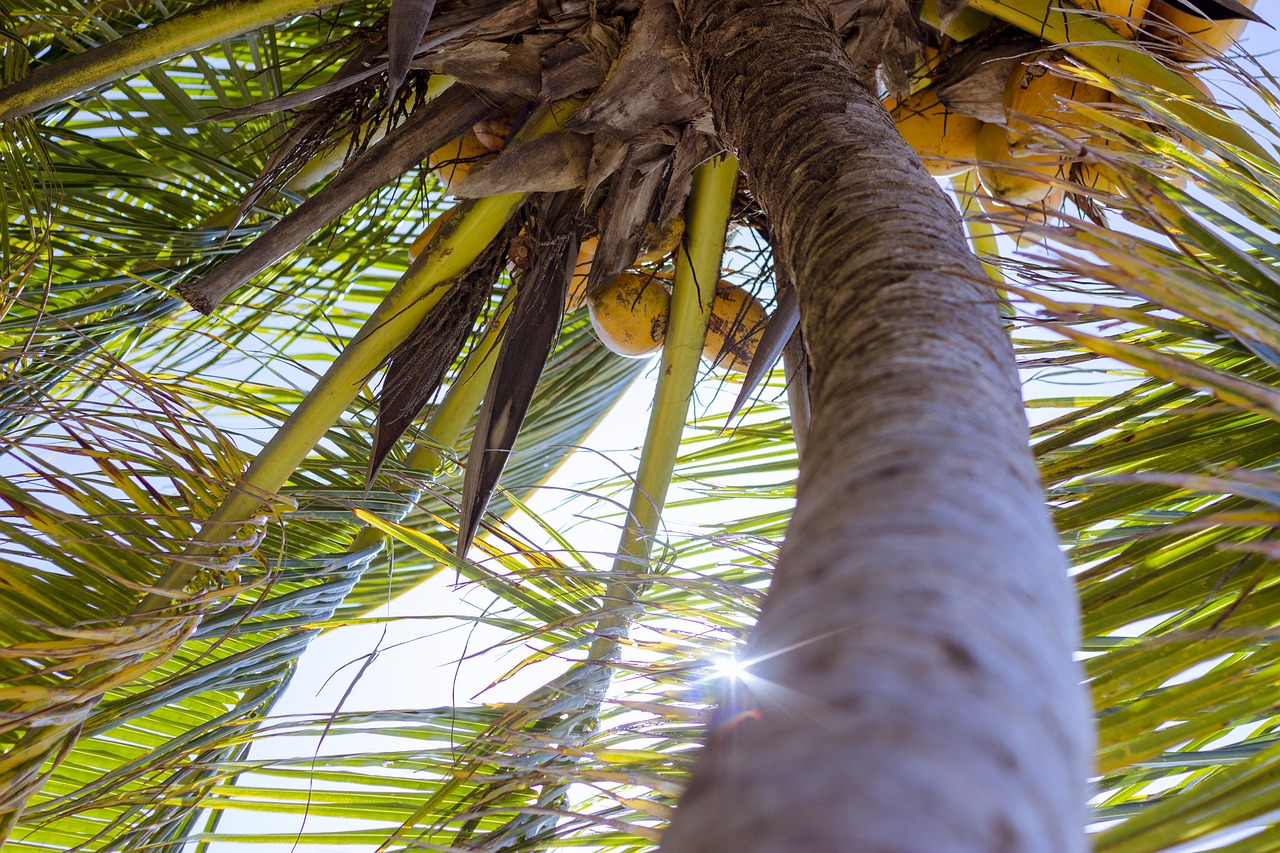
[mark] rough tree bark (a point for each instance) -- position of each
(911, 686)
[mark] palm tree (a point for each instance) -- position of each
(127, 711)
(913, 392)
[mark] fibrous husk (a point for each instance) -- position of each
(417, 367)
(650, 85)
(883, 35)
(551, 163)
(972, 81)
(949, 10)
(635, 194)
(310, 131)
(693, 148)
(607, 155)
(514, 69)
(408, 145)
(527, 341)
(580, 63)
(490, 20)
(406, 25)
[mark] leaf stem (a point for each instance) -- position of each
(115, 60)
(424, 284)
(693, 292)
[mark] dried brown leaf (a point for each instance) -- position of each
(528, 338)
(550, 163)
(635, 196)
(651, 84)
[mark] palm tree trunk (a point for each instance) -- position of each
(910, 684)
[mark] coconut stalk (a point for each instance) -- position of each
(462, 239)
(693, 293)
(115, 60)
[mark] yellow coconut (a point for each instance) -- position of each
(1034, 97)
(494, 131)
(455, 160)
(433, 228)
(1021, 177)
(734, 329)
(581, 269)
(945, 140)
(629, 313)
(1188, 36)
(1123, 16)
(994, 206)
(1053, 201)
(663, 243)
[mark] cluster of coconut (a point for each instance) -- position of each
(954, 130)
(629, 313)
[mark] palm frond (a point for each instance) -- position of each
(1163, 487)
(126, 420)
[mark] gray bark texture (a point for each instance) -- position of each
(911, 685)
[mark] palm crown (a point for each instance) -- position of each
(147, 645)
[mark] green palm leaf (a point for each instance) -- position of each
(125, 419)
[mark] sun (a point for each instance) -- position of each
(729, 668)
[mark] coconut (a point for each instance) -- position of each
(455, 160)
(1188, 36)
(1123, 16)
(1034, 97)
(1027, 177)
(735, 328)
(629, 313)
(494, 132)
(662, 243)
(945, 140)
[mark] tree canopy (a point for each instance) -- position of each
(144, 647)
